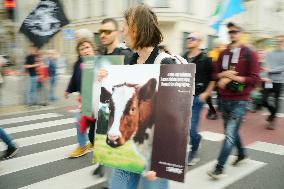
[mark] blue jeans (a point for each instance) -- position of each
(126, 180)
(32, 91)
(81, 137)
(6, 138)
(194, 136)
(52, 82)
(233, 112)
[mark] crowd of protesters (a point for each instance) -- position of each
(232, 70)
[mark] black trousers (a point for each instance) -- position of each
(210, 104)
(275, 92)
(92, 132)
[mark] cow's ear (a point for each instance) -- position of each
(148, 90)
(105, 95)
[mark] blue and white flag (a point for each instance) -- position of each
(225, 9)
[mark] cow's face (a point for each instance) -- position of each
(124, 104)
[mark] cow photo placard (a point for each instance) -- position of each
(147, 109)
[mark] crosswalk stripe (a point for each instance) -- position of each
(74, 111)
(267, 147)
(33, 160)
(207, 135)
(277, 114)
(197, 178)
(41, 125)
(27, 141)
(28, 118)
(81, 178)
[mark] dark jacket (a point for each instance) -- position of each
(122, 51)
(30, 60)
(151, 58)
(75, 81)
(204, 71)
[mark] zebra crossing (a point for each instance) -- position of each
(46, 137)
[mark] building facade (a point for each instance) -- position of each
(177, 18)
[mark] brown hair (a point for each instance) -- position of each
(232, 24)
(143, 24)
(110, 20)
(84, 40)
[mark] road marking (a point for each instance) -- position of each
(41, 125)
(207, 135)
(33, 160)
(74, 111)
(267, 147)
(28, 111)
(198, 178)
(28, 118)
(277, 115)
(81, 178)
(37, 139)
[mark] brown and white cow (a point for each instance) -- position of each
(131, 112)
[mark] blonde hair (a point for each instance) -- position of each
(85, 40)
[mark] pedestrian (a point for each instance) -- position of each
(30, 66)
(219, 46)
(141, 34)
(12, 148)
(204, 85)
(109, 37)
(84, 48)
(42, 81)
(237, 71)
(274, 67)
(2, 62)
(51, 62)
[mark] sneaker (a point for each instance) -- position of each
(10, 152)
(100, 171)
(78, 152)
(239, 160)
(212, 116)
(192, 159)
(90, 146)
(271, 126)
(216, 174)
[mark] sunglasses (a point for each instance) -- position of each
(192, 38)
(106, 32)
(234, 31)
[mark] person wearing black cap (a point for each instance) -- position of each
(237, 71)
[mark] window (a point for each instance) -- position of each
(130, 3)
(103, 7)
(89, 9)
(189, 6)
(161, 3)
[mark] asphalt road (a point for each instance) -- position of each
(46, 137)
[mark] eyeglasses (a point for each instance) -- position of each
(234, 31)
(107, 32)
(192, 38)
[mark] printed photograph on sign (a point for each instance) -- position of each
(128, 96)
(144, 114)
